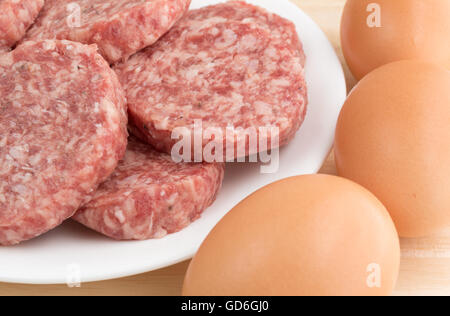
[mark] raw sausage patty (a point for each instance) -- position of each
(62, 132)
(16, 16)
(150, 196)
(120, 28)
(231, 64)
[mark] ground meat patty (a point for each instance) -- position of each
(120, 28)
(231, 64)
(62, 132)
(16, 16)
(150, 196)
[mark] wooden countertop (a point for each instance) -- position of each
(425, 266)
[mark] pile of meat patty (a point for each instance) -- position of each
(77, 75)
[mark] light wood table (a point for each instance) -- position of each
(425, 266)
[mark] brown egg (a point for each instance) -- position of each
(308, 235)
(393, 137)
(375, 33)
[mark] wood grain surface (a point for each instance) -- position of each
(425, 266)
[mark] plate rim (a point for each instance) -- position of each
(144, 268)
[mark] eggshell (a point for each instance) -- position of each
(409, 29)
(393, 137)
(307, 235)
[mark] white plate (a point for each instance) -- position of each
(72, 251)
